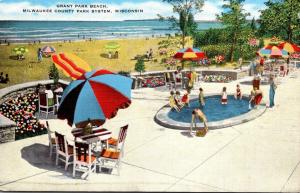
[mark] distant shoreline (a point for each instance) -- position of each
(200, 21)
(80, 40)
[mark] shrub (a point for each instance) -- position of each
(140, 66)
(53, 73)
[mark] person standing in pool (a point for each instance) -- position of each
(238, 94)
(197, 113)
(224, 96)
(201, 98)
(272, 91)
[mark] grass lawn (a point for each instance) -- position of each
(92, 52)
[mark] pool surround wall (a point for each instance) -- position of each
(162, 118)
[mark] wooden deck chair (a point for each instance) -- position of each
(177, 79)
(113, 155)
(64, 151)
(52, 143)
(44, 106)
(113, 142)
(84, 160)
(57, 101)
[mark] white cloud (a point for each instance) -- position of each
(253, 9)
(210, 9)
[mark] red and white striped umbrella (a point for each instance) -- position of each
(48, 50)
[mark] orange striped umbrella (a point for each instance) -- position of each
(189, 54)
(70, 64)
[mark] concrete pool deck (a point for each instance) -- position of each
(260, 155)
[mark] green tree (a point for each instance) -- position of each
(234, 19)
(140, 66)
(253, 25)
(53, 73)
(185, 10)
(280, 18)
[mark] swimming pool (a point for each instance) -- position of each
(213, 109)
(218, 115)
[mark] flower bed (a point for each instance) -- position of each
(152, 82)
(217, 78)
(21, 110)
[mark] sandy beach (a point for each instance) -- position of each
(93, 52)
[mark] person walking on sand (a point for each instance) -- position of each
(197, 113)
(224, 96)
(39, 55)
(273, 87)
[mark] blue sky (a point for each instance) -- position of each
(13, 9)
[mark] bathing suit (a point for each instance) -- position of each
(224, 97)
(172, 101)
(238, 93)
(257, 99)
(184, 98)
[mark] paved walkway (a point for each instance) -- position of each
(260, 155)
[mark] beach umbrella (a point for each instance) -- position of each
(94, 97)
(272, 51)
(112, 46)
(193, 54)
(20, 50)
(291, 48)
(70, 64)
(48, 50)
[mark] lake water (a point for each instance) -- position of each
(28, 31)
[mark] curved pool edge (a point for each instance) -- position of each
(162, 119)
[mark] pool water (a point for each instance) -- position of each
(213, 109)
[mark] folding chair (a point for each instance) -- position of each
(63, 149)
(84, 160)
(52, 143)
(114, 155)
(113, 142)
(44, 106)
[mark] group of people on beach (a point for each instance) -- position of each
(4, 79)
(149, 54)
